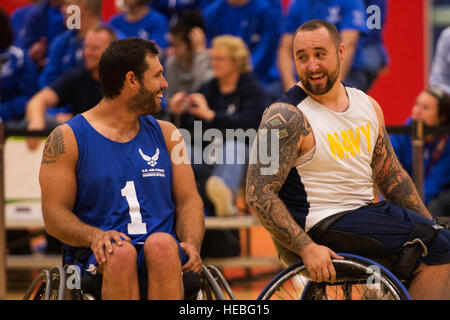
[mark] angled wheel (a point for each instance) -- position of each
(214, 285)
(39, 289)
(58, 283)
(357, 278)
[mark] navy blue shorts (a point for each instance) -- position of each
(391, 225)
(87, 262)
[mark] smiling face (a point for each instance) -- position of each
(317, 60)
(150, 93)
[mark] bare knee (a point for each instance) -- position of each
(122, 260)
(161, 249)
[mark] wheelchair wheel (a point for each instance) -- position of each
(357, 278)
(58, 283)
(40, 287)
(214, 285)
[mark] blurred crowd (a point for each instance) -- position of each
(225, 62)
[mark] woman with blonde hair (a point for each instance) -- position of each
(233, 99)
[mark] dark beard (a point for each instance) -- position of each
(144, 102)
(319, 90)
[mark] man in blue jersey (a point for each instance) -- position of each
(333, 147)
(109, 183)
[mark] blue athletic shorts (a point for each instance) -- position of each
(86, 261)
(391, 225)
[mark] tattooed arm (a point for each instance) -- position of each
(262, 190)
(57, 178)
(392, 180)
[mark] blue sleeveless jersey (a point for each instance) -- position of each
(125, 187)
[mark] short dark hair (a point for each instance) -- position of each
(121, 57)
(315, 24)
(443, 100)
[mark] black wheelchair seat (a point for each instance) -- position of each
(340, 241)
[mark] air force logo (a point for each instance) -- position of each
(152, 161)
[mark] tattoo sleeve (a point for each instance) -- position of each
(262, 190)
(392, 180)
(54, 147)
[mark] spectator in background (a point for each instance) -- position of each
(349, 16)
(139, 20)
(66, 50)
(433, 107)
(17, 18)
(18, 81)
(258, 24)
(37, 28)
(440, 69)
(375, 57)
(233, 99)
(173, 9)
(79, 86)
(188, 65)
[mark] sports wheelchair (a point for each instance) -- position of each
(53, 285)
(380, 276)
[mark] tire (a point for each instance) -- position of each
(357, 278)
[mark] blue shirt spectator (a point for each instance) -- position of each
(375, 56)
(153, 25)
(42, 20)
(173, 9)
(437, 168)
(257, 23)
(65, 52)
(17, 22)
(433, 107)
(440, 69)
(17, 74)
(18, 83)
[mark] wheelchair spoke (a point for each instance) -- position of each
(355, 281)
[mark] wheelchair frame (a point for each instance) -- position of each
(51, 285)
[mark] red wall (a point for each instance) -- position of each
(404, 38)
(10, 5)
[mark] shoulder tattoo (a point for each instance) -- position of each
(54, 147)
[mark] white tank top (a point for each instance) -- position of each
(338, 177)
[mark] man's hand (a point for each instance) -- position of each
(194, 261)
(102, 240)
(317, 260)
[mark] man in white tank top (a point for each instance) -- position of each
(333, 146)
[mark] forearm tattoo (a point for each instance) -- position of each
(262, 190)
(392, 180)
(54, 147)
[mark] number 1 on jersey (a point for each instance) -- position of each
(136, 226)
